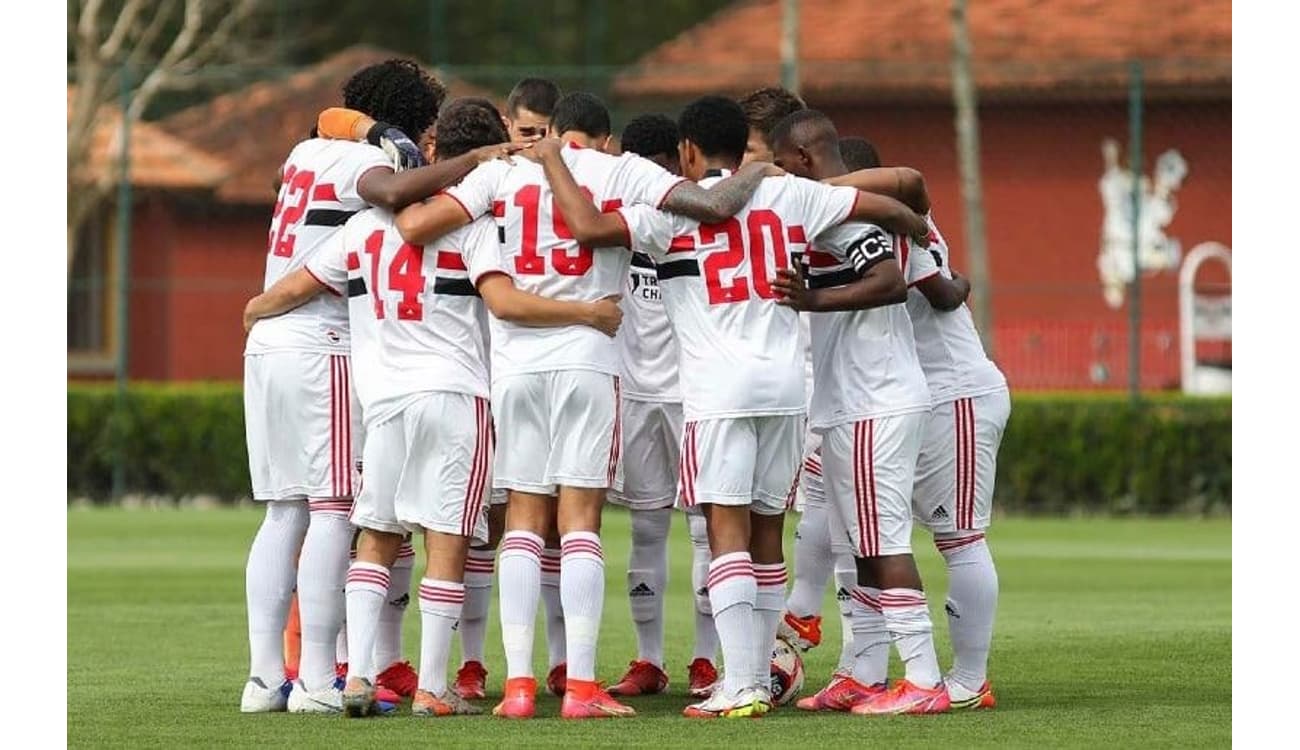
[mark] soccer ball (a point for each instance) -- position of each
(786, 672)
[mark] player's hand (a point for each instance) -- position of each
(606, 316)
(546, 148)
(498, 151)
(249, 320)
(791, 291)
(772, 170)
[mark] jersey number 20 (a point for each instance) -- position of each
(761, 226)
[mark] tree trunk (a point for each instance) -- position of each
(968, 152)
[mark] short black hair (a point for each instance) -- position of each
(398, 92)
(466, 124)
(858, 153)
(651, 135)
(807, 128)
(582, 112)
(717, 125)
(765, 107)
(534, 94)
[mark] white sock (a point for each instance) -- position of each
(769, 599)
(519, 586)
(971, 606)
(647, 578)
(480, 565)
(812, 561)
(555, 638)
(341, 644)
(321, 570)
(440, 607)
(846, 579)
(908, 620)
(366, 591)
(732, 590)
(268, 587)
(870, 664)
(388, 642)
(706, 632)
(582, 586)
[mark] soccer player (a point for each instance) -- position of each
(298, 402)
(529, 108)
(556, 393)
(652, 430)
(955, 473)
(423, 387)
(764, 108)
(741, 369)
(870, 404)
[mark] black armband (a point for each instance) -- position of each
(869, 249)
(376, 132)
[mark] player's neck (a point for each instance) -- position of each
(832, 166)
(580, 138)
(720, 162)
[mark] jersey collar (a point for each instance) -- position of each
(717, 173)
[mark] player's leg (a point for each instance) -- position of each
(553, 614)
(649, 484)
(887, 450)
(444, 491)
(520, 406)
(813, 562)
(585, 463)
(846, 578)
(397, 678)
(972, 577)
(369, 576)
(718, 457)
(480, 568)
(271, 570)
(702, 673)
(843, 477)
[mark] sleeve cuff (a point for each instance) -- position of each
(930, 275)
(468, 215)
(627, 230)
(664, 198)
(329, 288)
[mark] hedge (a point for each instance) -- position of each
(1062, 453)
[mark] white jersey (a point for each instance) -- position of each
(947, 343)
(317, 196)
(415, 313)
(647, 347)
(740, 351)
(864, 361)
(543, 259)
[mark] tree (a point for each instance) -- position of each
(157, 45)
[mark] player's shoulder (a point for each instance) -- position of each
(841, 236)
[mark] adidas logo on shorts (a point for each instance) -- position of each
(641, 589)
(939, 514)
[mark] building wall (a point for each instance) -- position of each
(1041, 165)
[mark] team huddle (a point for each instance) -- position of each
(481, 328)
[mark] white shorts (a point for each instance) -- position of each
(742, 461)
(557, 428)
(427, 468)
(303, 425)
(869, 471)
(958, 463)
(652, 436)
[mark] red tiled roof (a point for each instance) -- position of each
(254, 128)
(158, 160)
(903, 48)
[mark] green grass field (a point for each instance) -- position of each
(1109, 633)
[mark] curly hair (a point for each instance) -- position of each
(717, 125)
(398, 92)
(765, 107)
(466, 124)
(651, 135)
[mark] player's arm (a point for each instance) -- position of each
(423, 223)
(284, 295)
(889, 213)
(588, 226)
(901, 183)
(944, 294)
(511, 304)
(721, 201)
(882, 285)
